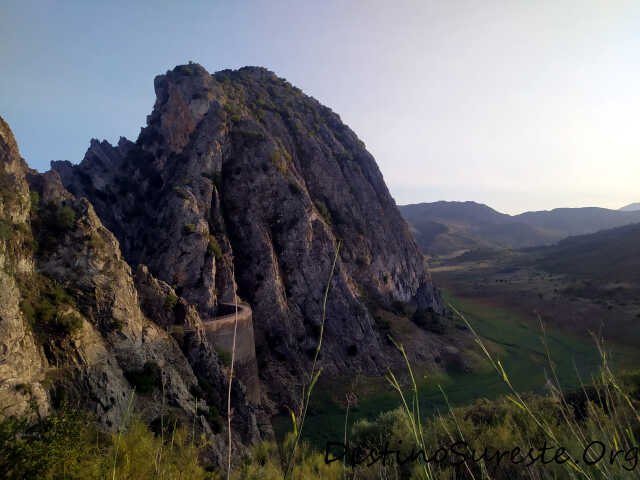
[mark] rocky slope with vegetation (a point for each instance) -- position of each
(240, 186)
(77, 332)
(239, 175)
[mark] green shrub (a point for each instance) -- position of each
(205, 389)
(35, 201)
(142, 455)
(70, 445)
(165, 424)
(212, 416)
(189, 228)
(65, 445)
(65, 218)
(96, 242)
(382, 323)
(267, 461)
(213, 248)
(145, 380)
(48, 307)
(68, 323)
(6, 230)
(224, 356)
(51, 222)
(170, 301)
(401, 308)
(232, 108)
(323, 211)
(430, 320)
(362, 261)
(295, 189)
(280, 160)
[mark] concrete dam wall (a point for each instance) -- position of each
(219, 331)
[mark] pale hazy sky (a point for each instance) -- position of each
(523, 105)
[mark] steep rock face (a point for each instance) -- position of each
(85, 260)
(189, 331)
(22, 364)
(72, 313)
(123, 335)
(241, 177)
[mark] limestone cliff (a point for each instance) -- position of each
(78, 330)
(239, 175)
(22, 363)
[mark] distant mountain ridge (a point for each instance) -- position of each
(444, 228)
(632, 207)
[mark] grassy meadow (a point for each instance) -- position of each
(514, 338)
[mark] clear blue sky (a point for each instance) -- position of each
(518, 104)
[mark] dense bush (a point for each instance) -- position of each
(212, 415)
(67, 323)
(51, 221)
(431, 321)
(67, 445)
(61, 218)
(70, 445)
(295, 189)
(6, 230)
(48, 307)
(224, 357)
(145, 380)
(279, 161)
(268, 461)
(323, 211)
(189, 228)
(213, 248)
(170, 302)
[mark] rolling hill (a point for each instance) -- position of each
(566, 222)
(607, 256)
(632, 207)
(447, 228)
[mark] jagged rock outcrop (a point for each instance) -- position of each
(22, 363)
(187, 328)
(240, 177)
(71, 309)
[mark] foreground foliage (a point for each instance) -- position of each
(69, 445)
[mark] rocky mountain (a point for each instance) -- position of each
(446, 228)
(22, 361)
(81, 329)
(565, 222)
(239, 175)
(121, 271)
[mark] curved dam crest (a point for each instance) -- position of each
(219, 331)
